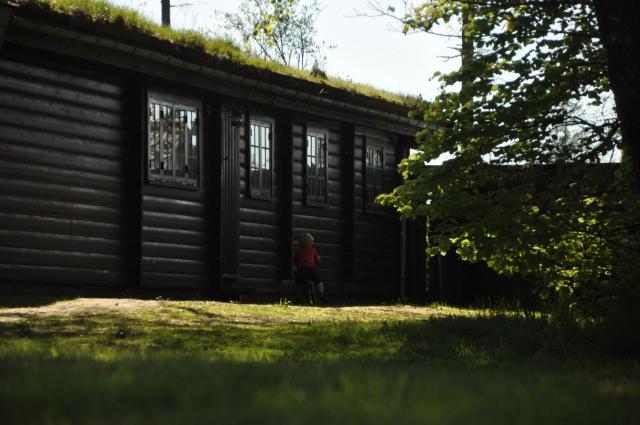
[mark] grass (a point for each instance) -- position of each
(165, 362)
(102, 11)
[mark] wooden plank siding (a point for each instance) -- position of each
(77, 207)
(173, 238)
(62, 198)
(324, 222)
(376, 230)
(180, 232)
(259, 230)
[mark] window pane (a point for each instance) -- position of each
(309, 169)
(255, 160)
(180, 126)
(154, 139)
(192, 147)
(188, 133)
(267, 182)
(311, 160)
(309, 153)
(167, 140)
(260, 180)
(254, 135)
(255, 163)
(316, 168)
(173, 142)
(373, 172)
(314, 149)
(265, 138)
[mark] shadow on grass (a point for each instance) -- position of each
(172, 387)
(481, 340)
(493, 369)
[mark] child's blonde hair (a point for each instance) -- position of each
(306, 239)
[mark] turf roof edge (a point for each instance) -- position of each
(43, 13)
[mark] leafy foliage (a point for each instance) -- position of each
(278, 30)
(525, 124)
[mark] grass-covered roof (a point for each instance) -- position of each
(101, 14)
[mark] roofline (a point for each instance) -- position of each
(255, 88)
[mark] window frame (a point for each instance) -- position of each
(311, 199)
(253, 191)
(370, 204)
(176, 103)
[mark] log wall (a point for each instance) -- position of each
(179, 223)
(174, 253)
(259, 256)
(376, 230)
(76, 209)
(324, 222)
(62, 203)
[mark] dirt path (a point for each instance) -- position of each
(198, 311)
(78, 307)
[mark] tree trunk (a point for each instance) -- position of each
(618, 22)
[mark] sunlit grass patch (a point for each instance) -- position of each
(130, 361)
(271, 332)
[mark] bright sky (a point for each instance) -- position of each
(368, 50)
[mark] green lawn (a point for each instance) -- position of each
(121, 361)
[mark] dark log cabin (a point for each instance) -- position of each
(129, 161)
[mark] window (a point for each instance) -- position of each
(173, 142)
(316, 167)
(261, 144)
(373, 173)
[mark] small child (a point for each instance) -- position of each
(306, 259)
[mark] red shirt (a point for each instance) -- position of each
(306, 256)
